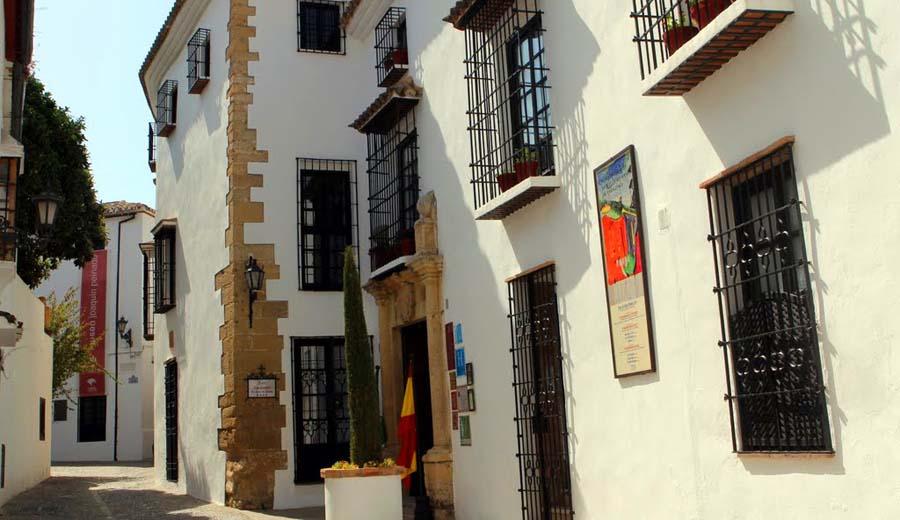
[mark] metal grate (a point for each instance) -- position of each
(391, 51)
(776, 396)
(9, 167)
(327, 221)
(171, 390)
(198, 61)
(164, 271)
(541, 427)
(60, 410)
(151, 148)
(510, 128)
(319, 27)
(663, 26)
(321, 415)
(393, 191)
(166, 107)
(149, 293)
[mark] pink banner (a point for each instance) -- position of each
(93, 320)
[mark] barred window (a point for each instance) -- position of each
(148, 252)
(391, 52)
(321, 415)
(198, 61)
(543, 449)
(327, 208)
(92, 419)
(42, 419)
(510, 127)
(319, 26)
(164, 270)
(9, 168)
(60, 410)
(166, 107)
(151, 148)
(776, 394)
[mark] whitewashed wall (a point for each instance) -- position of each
(135, 397)
(191, 186)
(302, 106)
(658, 446)
(26, 378)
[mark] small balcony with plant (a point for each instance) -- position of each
(391, 51)
(682, 42)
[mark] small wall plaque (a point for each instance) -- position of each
(261, 385)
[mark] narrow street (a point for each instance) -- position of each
(124, 491)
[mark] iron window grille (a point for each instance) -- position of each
(60, 410)
(393, 169)
(166, 107)
(319, 27)
(391, 50)
(321, 413)
(92, 419)
(42, 419)
(541, 425)
(663, 26)
(327, 221)
(151, 148)
(171, 396)
(773, 372)
(148, 252)
(198, 61)
(164, 271)
(510, 127)
(9, 169)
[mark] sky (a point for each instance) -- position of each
(88, 53)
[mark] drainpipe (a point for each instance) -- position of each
(116, 334)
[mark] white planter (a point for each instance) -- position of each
(370, 493)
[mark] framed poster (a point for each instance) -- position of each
(471, 400)
(470, 374)
(465, 431)
(624, 265)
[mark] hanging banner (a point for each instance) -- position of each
(93, 321)
(622, 247)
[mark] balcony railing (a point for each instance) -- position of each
(711, 32)
(151, 148)
(166, 108)
(198, 61)
(391, 52)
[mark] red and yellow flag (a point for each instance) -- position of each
(406, 432)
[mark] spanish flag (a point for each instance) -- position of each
(406, 432)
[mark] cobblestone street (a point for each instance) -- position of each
(104, 492)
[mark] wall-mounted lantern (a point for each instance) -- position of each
(46, 204)
(121, 325)
(255, 277)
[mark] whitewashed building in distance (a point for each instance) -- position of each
(110, 414)
(582, 224)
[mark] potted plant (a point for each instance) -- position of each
(408, 243)
(704, 11)
(678, 31)
(506, 180)
(526, 165)
(400, 57)
(367, 486)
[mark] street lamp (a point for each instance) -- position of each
(46, 204)
(255, 276)
(125, 335)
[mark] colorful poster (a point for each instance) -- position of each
(622, 248)
(93, 320)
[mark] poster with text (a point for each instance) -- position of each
(93, 321)
(624, 265)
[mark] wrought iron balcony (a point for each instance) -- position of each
(682, 42)
(198, 61)
(391, 52)
(151, 148)
(166, 108)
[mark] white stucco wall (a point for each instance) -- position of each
(303, 103)
(26, 378)
(658, 446)
(135, 440)
(191, 187)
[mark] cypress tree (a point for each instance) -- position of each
(365, 429)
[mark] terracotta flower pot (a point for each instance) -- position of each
(526, 169)
(678, 36)
(400, 56)
(704, 11)
(507, 181)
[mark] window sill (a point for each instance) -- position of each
(735, 29)
(785, 454)
(163, 309)
(390, 267)
(517, 197)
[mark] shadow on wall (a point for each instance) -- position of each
(831, 91)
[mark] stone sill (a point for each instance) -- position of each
(785, 454)
(738, 27)
(394, 265)
(517, 197)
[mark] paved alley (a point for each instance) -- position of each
(106, 492)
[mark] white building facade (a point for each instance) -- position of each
(116, 421)
(744, 127)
